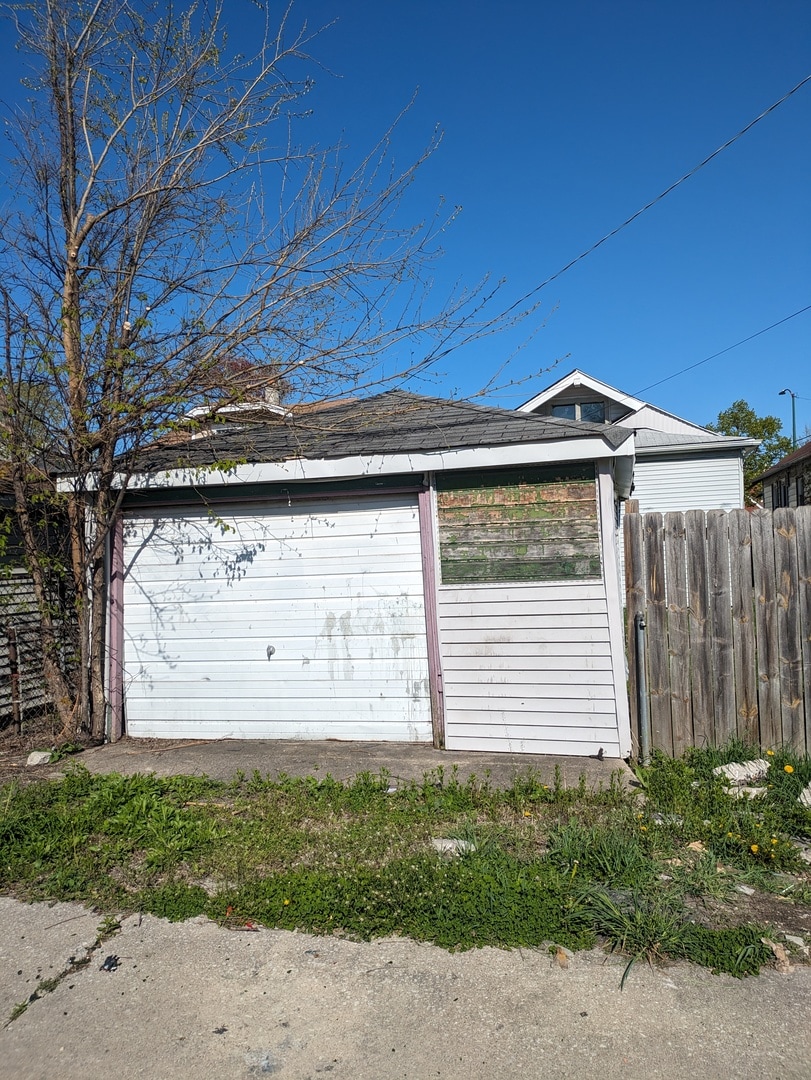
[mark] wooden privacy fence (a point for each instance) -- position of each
(726, 598)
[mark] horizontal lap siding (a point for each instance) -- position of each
(528, 669)
(692, 482)
(335, 588)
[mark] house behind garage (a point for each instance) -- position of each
(679, 465)
(394, 568)
(788, 482)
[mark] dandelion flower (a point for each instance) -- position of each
(754, 849)
(644, 828)
(774, 840)
(770, 753)
(286, 903)
(788, 768)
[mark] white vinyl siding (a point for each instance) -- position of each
(334, 587)
(529, 669)
(692, 482)
(648, 416)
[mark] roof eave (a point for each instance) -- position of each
(698, 447)
(588, 448)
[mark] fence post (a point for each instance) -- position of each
(642, 689)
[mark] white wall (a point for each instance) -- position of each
(528, 669)
(693, 482)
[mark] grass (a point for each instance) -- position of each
(547, 864)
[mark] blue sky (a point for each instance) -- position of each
(562, 120)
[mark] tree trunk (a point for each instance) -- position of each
(98, 610)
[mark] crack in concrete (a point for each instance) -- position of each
(106, 930)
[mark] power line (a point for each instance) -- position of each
(653, 202)
(729, 348)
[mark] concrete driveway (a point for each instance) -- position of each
(222, 758)
(197, 1000)
(194, 1000)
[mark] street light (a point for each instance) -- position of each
(793, 417)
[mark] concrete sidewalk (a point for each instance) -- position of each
(223, 758)
(192, 1000)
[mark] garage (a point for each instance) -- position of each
(394, 568)
(277, 620)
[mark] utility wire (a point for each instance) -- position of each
(653, 202)
(729, 348)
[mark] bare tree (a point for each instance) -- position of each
(167, 242)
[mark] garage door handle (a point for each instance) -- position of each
(271, 650)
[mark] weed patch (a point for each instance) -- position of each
(541, 863)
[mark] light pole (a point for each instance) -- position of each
(793, 417)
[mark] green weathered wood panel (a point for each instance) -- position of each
(512, 532)
(495, 548)
(480, 571)
(521, 525)
(574, 512)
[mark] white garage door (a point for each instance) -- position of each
(277, 622)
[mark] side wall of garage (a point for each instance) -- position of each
(528, 658)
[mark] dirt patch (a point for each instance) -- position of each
(780, 914)
(42, 733)
(38, 733)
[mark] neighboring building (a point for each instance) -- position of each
(393, 568)
(679, 465)
(788, 483)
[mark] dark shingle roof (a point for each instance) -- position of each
(389, 423)
(796, 456)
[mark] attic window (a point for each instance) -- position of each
(590, 412)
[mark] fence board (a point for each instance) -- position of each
(634, 605)
(768, 664)
(658, 660)
(792, 712)
(720, 597)
(700, 659)
(678, 632)
(743, 626)
(802, 518)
